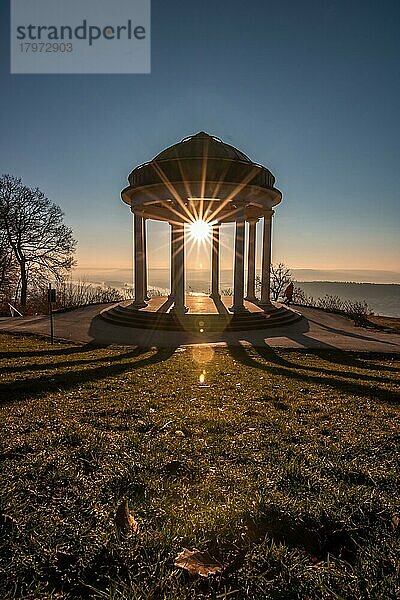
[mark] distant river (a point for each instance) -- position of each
(383, 299)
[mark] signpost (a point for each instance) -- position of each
(51, 297)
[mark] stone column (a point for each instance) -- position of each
(172, 262)
(215, 263)
(139, 262)
(178, 234)
(266, 260)
(238, 283)
(146, 294)
(251, 262)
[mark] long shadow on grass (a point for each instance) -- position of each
(378, 393)
(72, 363)
(20, 390)
(350, 359)
(63, 350)
(330, 353)
(266, 354)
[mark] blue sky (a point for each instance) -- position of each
(311, 89)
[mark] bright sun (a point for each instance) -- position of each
(200, 230)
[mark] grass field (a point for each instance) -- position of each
(282, 465)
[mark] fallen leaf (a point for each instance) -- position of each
(124, 521)
(197, 562)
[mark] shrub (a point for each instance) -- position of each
(69, 295)
(330, 303)
(300, 297)
(358, 311)
(355, 310)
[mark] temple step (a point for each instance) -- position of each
(199, 323)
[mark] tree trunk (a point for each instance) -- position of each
(24, 282)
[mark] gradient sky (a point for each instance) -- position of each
(310, 89)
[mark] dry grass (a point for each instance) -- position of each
(283, 465)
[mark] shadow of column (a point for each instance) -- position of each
(220, 306)
(164, 307)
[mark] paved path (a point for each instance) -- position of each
(317, 330)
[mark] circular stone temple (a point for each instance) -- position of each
(204, 179)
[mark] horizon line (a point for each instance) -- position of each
(231, 269)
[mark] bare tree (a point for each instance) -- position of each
(8, 270)
(281, 276)
(5, 259)
(37, 237)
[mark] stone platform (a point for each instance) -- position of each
(317, 330)
(205, 316)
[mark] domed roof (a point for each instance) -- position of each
(202, 168)
(201, 157)
(202, 145)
